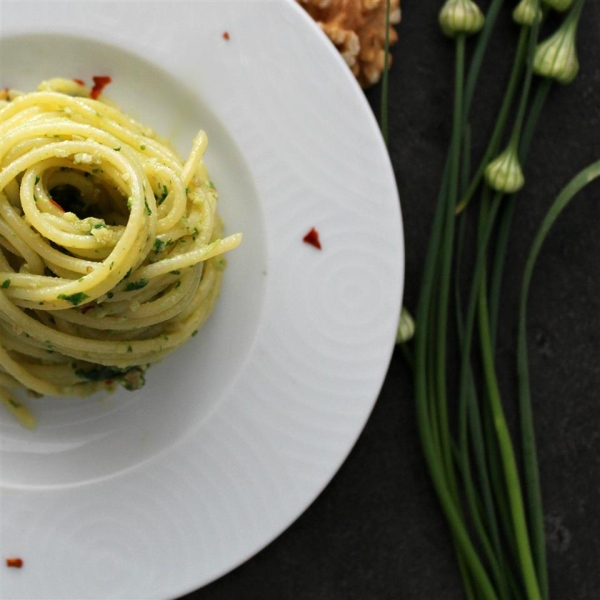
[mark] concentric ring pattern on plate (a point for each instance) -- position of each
(289, 412)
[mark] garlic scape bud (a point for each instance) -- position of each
(558, 5)
(556, 57)
(527, 12)
(406, 327)
(504, 173)
(460, 17)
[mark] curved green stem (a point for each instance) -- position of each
(531, 473)
(446, 254)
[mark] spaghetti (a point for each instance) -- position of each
(110, 244)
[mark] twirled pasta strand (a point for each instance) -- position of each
(110, 244)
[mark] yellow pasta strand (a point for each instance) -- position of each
(110, 244)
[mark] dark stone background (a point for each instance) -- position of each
(376, 531)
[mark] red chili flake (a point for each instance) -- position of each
(57, 205)
(108, 382)
(226, 35)
(312, 238)
(100, 82)
(87, 308)
(16, 563)
(79, 81)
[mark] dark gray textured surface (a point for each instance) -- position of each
(376, 531)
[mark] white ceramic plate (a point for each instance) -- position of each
(155, 493)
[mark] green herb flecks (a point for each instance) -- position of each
(131, 378)
(74, 299)
(136, 285)
(164, 192)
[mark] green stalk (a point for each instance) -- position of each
(468, 414)
(489, 492)
(446, 255)
(434, 420)
(475, 506)
(383, 124)
(469, 423)
(383, 120)
(480, 50)
(467, 335)
(508, 210)
(434, 461)
(518, 125)
(496, 479)
(496, 137)
(489, 208)
(507, 456)
(487, 342)
(534, 114)
(529, 456)
(531, 472)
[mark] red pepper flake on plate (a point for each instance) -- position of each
(79, 81)
(100, 82)
(312, 238)
(15, 563)
(226, 35)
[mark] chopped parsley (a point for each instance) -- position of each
(136, 285)
(164, 192)
(158, 246)
(131, 378)
(6, 283)
(74, 299)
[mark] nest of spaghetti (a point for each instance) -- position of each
(111, 249)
